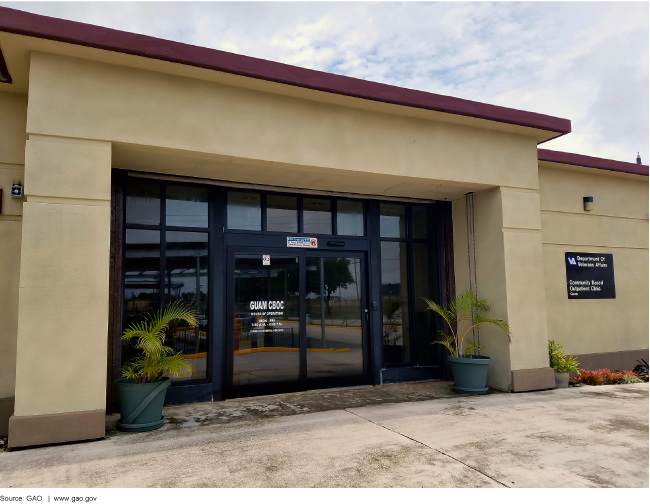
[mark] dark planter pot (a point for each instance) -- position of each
(470, 373)
(141, 404)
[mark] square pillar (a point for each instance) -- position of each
(63, 293)
(13, 111)
(510, 275)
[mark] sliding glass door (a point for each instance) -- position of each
(266, 320)
(296, 320)
(334, 317)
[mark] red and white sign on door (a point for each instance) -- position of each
(266, 260)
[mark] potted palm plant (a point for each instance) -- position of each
(143, 386)
(562, 363)
(463, 313)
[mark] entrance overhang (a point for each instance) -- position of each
(229, 171)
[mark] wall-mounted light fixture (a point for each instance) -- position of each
(588, 202)
(17, 189)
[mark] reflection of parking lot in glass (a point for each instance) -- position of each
(334, 335)
(193, 344)
(186, 281)
(268, 357)
(266, 330)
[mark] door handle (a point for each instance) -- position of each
(367, 316)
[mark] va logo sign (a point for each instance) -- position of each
(572, 261)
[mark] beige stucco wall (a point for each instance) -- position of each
(13, 111)
(509, 274)
(63, 302)
(618, 225)
(126, 105)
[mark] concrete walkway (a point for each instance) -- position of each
(364, 437)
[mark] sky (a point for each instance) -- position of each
(583, 61)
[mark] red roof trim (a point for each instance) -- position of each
(591, 162)
(72, 32)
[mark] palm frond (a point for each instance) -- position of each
(156, 359)
(448, 315)
(472, 347)
(133, 332)
(174, 365)
(466, 304)
(131, 370)
(501, 324)
(448, 341)
(175, 311)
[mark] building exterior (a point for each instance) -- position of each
(304, 215)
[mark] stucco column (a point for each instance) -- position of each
(510, 275)
(63, 293)
(13, 111)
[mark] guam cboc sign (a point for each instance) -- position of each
(589, 276)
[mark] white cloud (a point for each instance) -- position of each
(584, 61)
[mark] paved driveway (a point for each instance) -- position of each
(576, 437)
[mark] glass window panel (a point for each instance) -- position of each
(141, 280)
(266, 337)
(282, 213)
(394, 301)
(392, 223)
(334, 314)
(425, 284)
(420, 222)
(349, 218)
(186, 281)
(244, 211)
(143, 203)
(317, 216)
(187, 206)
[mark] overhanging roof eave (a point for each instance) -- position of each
(568, 158)
(72, 32)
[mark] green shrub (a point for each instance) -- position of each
(630, 379)
(560, 360)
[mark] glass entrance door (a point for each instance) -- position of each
(335, 317)
(296, 321)
(266, 320)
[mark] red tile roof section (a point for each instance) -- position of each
(72, 32)
(591, 162)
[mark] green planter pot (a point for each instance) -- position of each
(470, 373)
(141, 404)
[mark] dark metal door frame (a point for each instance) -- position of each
(303, 383)
(367, 245)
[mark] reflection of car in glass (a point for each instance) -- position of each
(203, 324)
